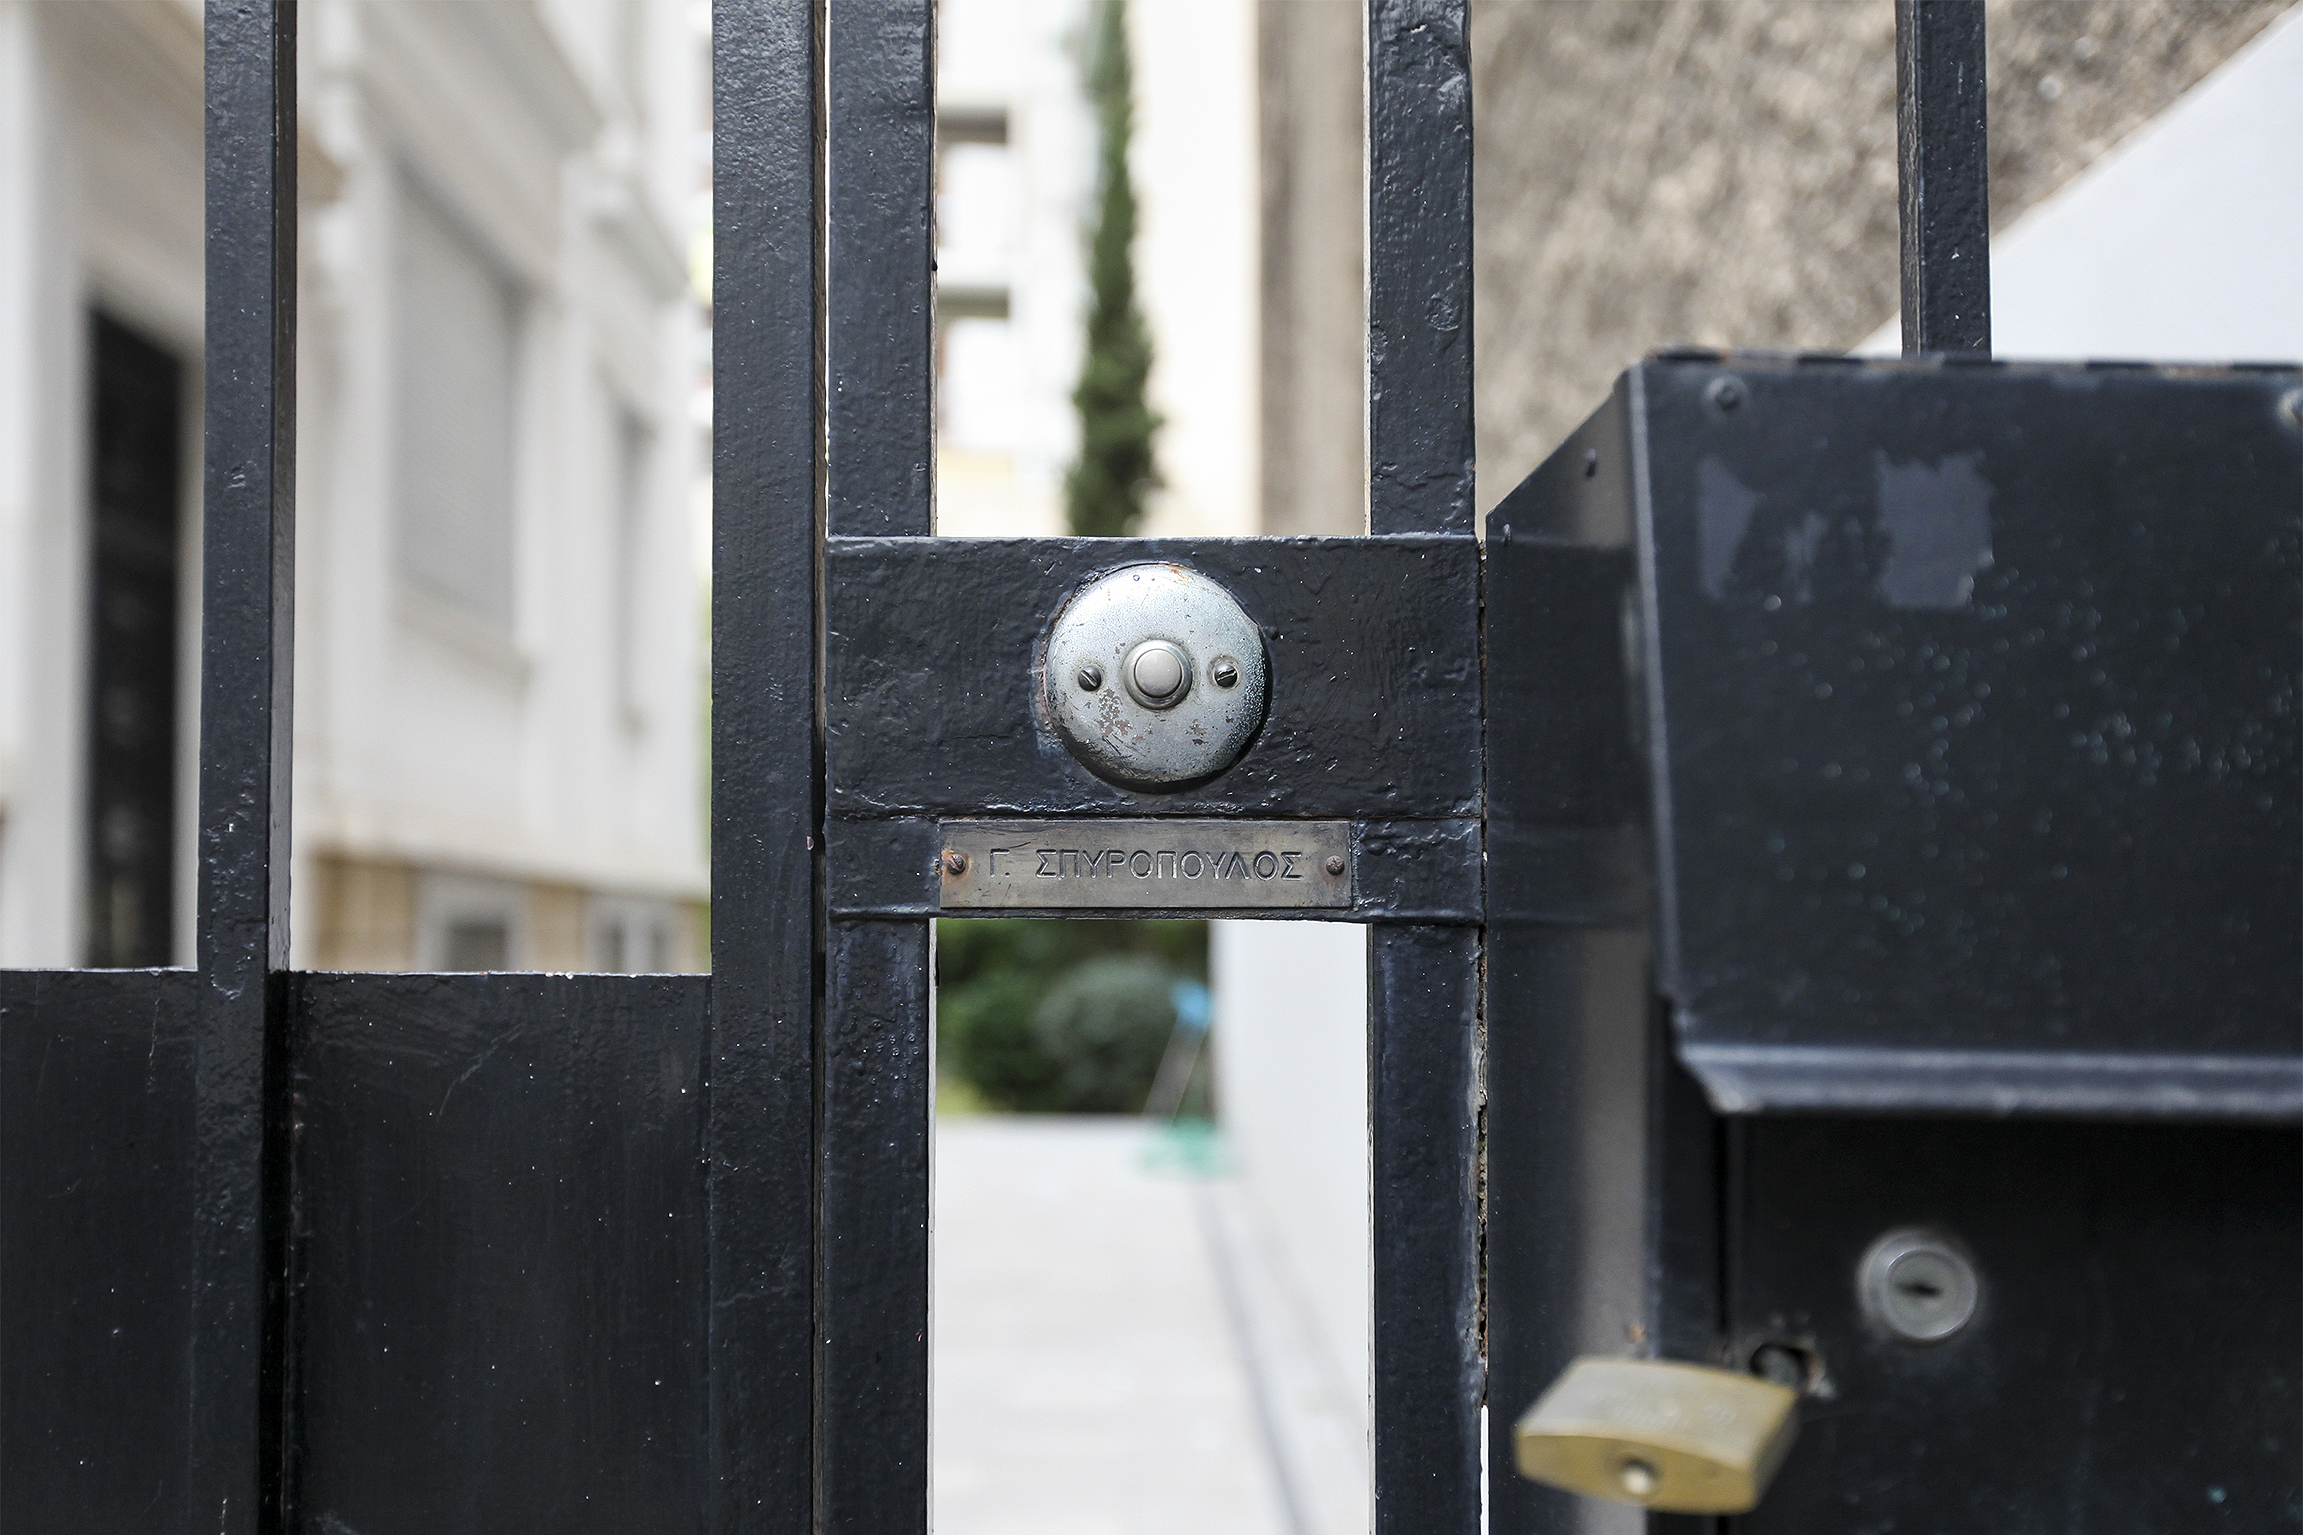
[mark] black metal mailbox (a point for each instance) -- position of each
(1896, 824)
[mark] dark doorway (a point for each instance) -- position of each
(135, 557)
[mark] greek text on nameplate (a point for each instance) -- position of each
(1144, 865)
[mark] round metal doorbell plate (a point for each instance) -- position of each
(1154, 677)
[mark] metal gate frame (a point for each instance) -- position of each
(188, 1152)
(198, 1160)
(835, 349)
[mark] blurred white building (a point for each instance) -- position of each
(1018, 148)
(499, 737)
(1015, 166)
(1017, 145)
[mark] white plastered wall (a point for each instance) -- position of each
(1290, 1041)
(1197, 260)
(2181, 244)
(1001, 474)
(527, 752)
(525, 763)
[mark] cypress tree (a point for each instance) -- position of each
(1106, 487)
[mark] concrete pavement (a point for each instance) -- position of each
(1117, 1349)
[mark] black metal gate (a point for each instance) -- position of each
(1809, 883)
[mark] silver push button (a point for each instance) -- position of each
(1157, 673)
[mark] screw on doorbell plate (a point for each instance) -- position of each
(1917, 1285)
(1178, 673)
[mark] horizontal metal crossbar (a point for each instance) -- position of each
(1374, 659)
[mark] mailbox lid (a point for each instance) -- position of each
(1972, 717)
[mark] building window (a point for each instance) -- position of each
(469, 922)
(135, 563)
(477, 943)
(979, 207)
(456, 359)
(632, 934)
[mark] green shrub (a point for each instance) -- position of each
(984, 1036)
(1102, 1029)
(1106, 487)
(1030, 1018)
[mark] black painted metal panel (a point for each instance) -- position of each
(97, 1124)
(880, 188)
(1566, 830)
(2121, 539)
(1943, 162)
(1374, 648)
(1423, 1102)
(1423, 990)
(875, 1085)
(872, 1385)
(1973, 708)
(766, 796)
(246, 693)
(1598, 1192)
(500, 1252)
(2135, 1365)
(1419, 291)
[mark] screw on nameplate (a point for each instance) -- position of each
(1145, 865)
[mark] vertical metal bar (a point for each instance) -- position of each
(1423, 982)
(1423, 1144)
(872, 1316)
(872, 1369)
(1419, 431)
(880, 187)
(1944, 170)
(246, 667)
(766, 794)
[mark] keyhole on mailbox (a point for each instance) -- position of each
(1918, 1286)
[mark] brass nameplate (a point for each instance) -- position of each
(1144, 865)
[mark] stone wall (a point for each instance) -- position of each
(1723, 172)
(1313, 336)
(1658, 171)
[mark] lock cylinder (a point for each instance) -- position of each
(1677, 1438)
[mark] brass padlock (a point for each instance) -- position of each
(1680, 1438)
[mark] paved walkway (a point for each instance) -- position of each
(1116, 1349)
